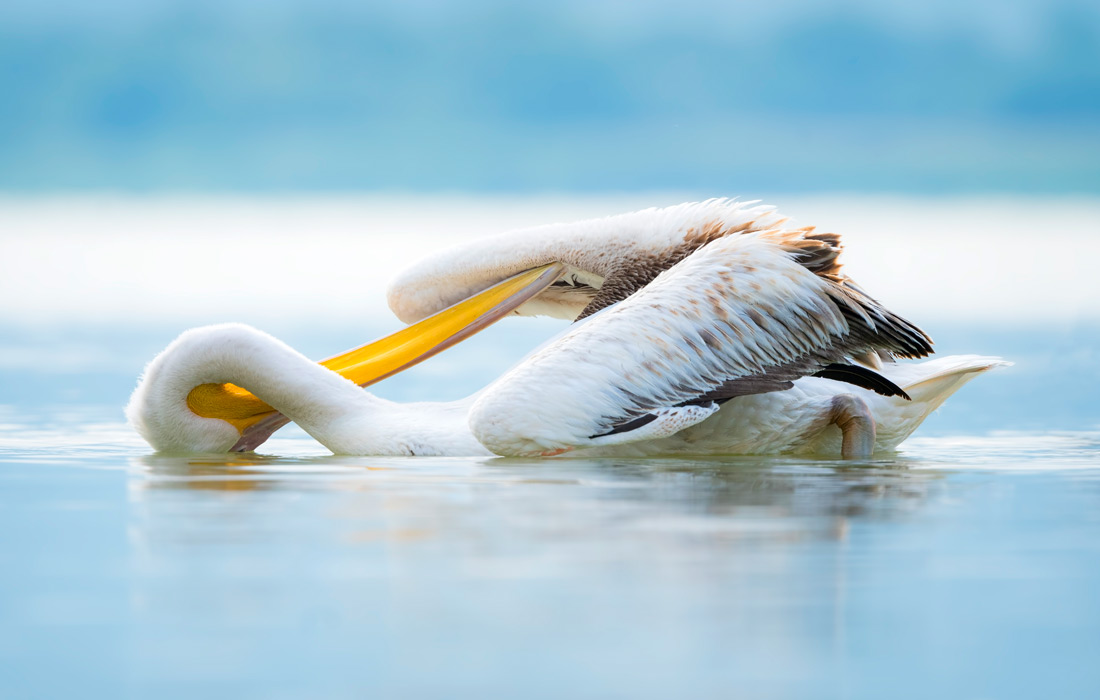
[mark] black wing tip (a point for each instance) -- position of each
(878, 326)
(861, 377)
(629, 425)
(919, 345)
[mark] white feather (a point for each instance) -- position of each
(348, 420)
(733, 308)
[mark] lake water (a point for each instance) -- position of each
(966, 566)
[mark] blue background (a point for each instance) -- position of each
(569, 96)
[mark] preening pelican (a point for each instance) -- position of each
(702, 329)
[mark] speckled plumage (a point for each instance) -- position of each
(349, 420)
(740, 308)
(681, 307)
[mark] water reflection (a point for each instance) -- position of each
(550, 501)
(401, 555)
(642, 578)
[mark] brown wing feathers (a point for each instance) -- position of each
(868, 321)
(872, 328)
(638, 272)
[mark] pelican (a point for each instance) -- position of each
(703, 328)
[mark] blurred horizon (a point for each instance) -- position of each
(427, 96)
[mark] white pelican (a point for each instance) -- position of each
(707, 329)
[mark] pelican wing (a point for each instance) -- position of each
(742, 314)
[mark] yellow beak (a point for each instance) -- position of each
(370, 363)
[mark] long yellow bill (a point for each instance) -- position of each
(370, 363)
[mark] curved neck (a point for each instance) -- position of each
(316, 398)
(278, 375)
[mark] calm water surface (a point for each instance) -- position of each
(967, 567)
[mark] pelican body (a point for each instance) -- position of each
(705, 328)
